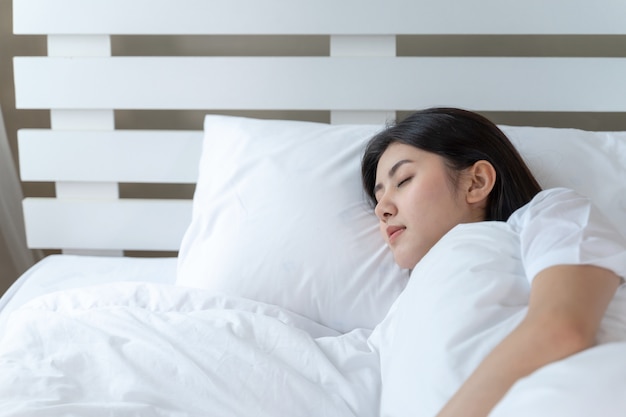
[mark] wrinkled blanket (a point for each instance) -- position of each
(138, 349)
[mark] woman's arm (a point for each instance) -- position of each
(566, 305)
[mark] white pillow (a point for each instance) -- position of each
(279, 216)
(592, 163)
(466, 294)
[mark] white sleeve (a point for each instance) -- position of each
(562, 227)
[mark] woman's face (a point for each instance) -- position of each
(416, 202)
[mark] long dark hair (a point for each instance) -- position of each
(462, 138)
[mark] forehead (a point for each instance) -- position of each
(393, 154)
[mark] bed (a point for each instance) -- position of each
(276, 295)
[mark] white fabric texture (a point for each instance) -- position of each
(590, 383)
(63, 272)
(279, 216)
(592, 163)
(463, 297)
(471, 290)
(140, 349)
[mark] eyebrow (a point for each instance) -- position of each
(392, 172)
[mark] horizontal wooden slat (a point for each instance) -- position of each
(319, 17)
(107, 224)
(117, 156)
(322, 83)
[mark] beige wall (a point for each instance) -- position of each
(189, 45)
(10, 46)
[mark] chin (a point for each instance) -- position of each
(410, 257)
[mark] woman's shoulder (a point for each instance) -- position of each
(552, 202)
(563, 227)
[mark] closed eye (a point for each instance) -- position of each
(404, 181)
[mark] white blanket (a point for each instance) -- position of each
(466, 295)
(156, 350)
(139, 349)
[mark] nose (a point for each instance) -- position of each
(385, 209)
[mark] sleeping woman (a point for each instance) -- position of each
(442, 167)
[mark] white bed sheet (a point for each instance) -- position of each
(61, 272)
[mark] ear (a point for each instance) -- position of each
(481, 179)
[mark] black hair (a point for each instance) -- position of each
(462, 138)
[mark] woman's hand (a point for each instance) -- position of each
(566, 305)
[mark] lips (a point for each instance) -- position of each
(393, 232)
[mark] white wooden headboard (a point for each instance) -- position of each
(362, 80)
